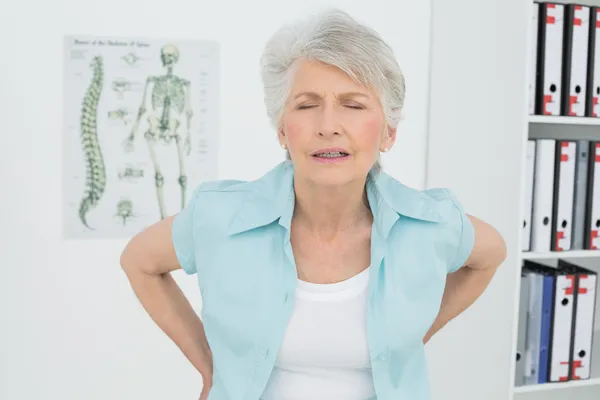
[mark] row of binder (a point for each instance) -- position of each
(556, 322)
(565, 54)
(562, 195)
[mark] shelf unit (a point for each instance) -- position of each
(594, 380)
(563, 127)
(478, 127)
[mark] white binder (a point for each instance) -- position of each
(593, 89)
(577, 26)
(533, 56)
(550, 75)
(562, 318)
(528, 196)
(531, 368)
(593, 198)
(583, 319)
(564, 193)
(584, 326)
(522, 330)
(543, 195)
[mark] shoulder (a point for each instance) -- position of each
(457, 232)
(250, 203)
(219, 196)
(445, 203)
(448, 224)
(437, 204)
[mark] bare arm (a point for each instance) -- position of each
(148, 260)
(464, 286)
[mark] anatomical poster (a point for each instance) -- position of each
(140, 130)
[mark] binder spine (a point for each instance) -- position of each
(550, 59)
(593, 70)
(546, 329)
(528, 196)
(534, 329)
(543, 198)
(562, 317)
(592, 241)
(573, 332)
(564, 182)
(583, 325)
(534, 60)
(567, 95)
(575, 45)
(540, 101)
(579, 205)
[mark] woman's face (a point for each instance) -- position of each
(333, 127)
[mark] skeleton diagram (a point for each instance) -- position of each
(168, 108)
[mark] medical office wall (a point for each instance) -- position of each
(72, 328)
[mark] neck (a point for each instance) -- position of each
(327, 211)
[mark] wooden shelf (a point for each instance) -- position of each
(529, 255)
(594, 377)
(542, 119)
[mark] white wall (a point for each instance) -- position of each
(71, 327)
(477, 132)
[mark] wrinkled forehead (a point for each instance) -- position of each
(324, 80)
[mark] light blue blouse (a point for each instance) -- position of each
(235, 236)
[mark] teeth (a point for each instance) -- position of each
(331, 154)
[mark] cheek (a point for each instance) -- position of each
(295, 130)
(371, 131)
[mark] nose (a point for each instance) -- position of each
(329, 123)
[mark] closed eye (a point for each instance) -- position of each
(305, 107)
(352, 106)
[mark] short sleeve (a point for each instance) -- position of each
(182, 234)
(463, 234)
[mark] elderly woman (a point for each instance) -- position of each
(324, 278)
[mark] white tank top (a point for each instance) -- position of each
(324, 354)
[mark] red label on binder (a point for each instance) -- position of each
(570, 289)
(577, 21)
(594, 235)
(582, 290)
(576, 364)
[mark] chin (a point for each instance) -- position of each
(333, 176)
(332, 173)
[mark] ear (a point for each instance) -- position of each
(389, 138)
(281, 137)
(392, 134)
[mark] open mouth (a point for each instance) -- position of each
(331, 154)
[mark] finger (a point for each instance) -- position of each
(204, 394)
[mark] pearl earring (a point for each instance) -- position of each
(283, 146)
(385, 149)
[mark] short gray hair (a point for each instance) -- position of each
(334, 38)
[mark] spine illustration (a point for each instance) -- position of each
(94, 162)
